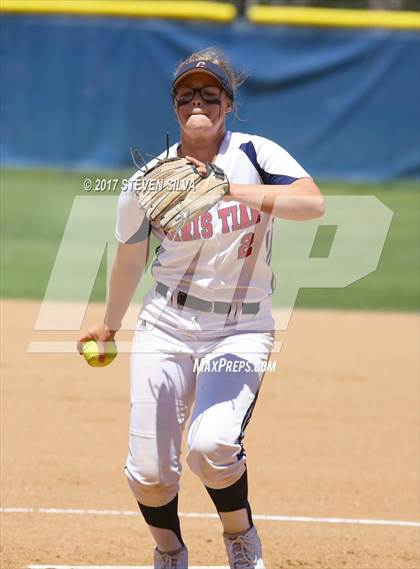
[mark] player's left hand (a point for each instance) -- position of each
(201, 167)
(175, 190)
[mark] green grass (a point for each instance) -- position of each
(395, 283)
(35, 205)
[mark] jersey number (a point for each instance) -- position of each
(245, 248)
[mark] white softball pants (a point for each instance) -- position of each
(166, 386)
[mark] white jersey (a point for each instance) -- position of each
(225, 253)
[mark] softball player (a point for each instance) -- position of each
(205, 329)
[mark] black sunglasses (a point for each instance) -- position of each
(184, 95)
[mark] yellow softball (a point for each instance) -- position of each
(91, 353)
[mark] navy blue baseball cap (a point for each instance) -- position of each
(205, 67)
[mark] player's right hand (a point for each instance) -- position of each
(100, 334)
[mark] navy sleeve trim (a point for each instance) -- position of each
(142, 233)
(276, 179)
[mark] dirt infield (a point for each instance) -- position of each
(335, 433)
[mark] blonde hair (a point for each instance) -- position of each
(218, 57)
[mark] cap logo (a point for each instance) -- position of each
(212, 68)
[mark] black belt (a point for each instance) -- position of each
(184, 299)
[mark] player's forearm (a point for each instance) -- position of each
(124, 279)
(298, 201)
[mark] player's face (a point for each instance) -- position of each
(201, 105)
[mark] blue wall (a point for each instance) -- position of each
(78, 92)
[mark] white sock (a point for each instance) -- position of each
(166, 540)
(235, 523)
